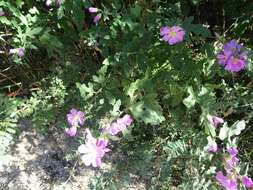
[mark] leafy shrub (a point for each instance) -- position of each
(120, 63)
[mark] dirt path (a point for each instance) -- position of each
(37, 162)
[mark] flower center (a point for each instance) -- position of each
(172, 33)
(76, 118)
(234, 61)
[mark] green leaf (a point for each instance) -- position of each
(237, 128)
(148, 110)
(85, 91)
(224, 132)
(191, 99)
(116, 108)
(136, 10)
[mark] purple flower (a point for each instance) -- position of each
(232, 47)
(19, 51)
(93, 150)
(75, 117)
(214, 120)
(235, 63)
(172, 35)
(58, 3)
(97, 18)
(113, 129)
(247, 181)
(71, 131)
(227, 183)
(232, 56)
(222, 58)
(125, 120)
(232, 162)
(93, 9)
(2, 13)
(232, 151)
(120, 125)
(213, 148)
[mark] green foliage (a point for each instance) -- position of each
(120, 65)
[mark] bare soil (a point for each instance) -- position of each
(39, 162)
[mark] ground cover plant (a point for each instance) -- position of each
(160, 90)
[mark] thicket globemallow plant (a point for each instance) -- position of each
(232, 161)
(18, 51)
(48, 3)
(229, 182)
(75, 117)
(232, 57)
(93, 150)
(212, 146)
(247, 182)
(71, 131)
(97, 18)
(172, 35)
(95, 10)
(214, 120)
(225, 181)
(58, 3)
(2, 13)
(120, 125)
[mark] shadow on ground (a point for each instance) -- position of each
(37, 162)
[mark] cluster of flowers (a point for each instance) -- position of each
(94, 149)
(215, 122)
(229, 181)
(49, 3)
(15, 51)
(18, 51)
(118, 126)
(74, 118)
(232, 57)
(90, 9)
(95, 10)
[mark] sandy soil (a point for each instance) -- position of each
(37, 162)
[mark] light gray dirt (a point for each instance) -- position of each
(37, 162)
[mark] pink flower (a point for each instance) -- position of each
(93, 150)
(215, 121)
(93, 9)
(71, 131)
(227, 183)
(247, 181)
(232, 151)
(125, 120)
(48, 3)
(232, 56)
(172, 35)
(235, 63)
(19, 51)
(120, 125)
(75, 117)
(58, 3)
(232, 162)
(213, 148)
(97, 18)
(2, 13)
